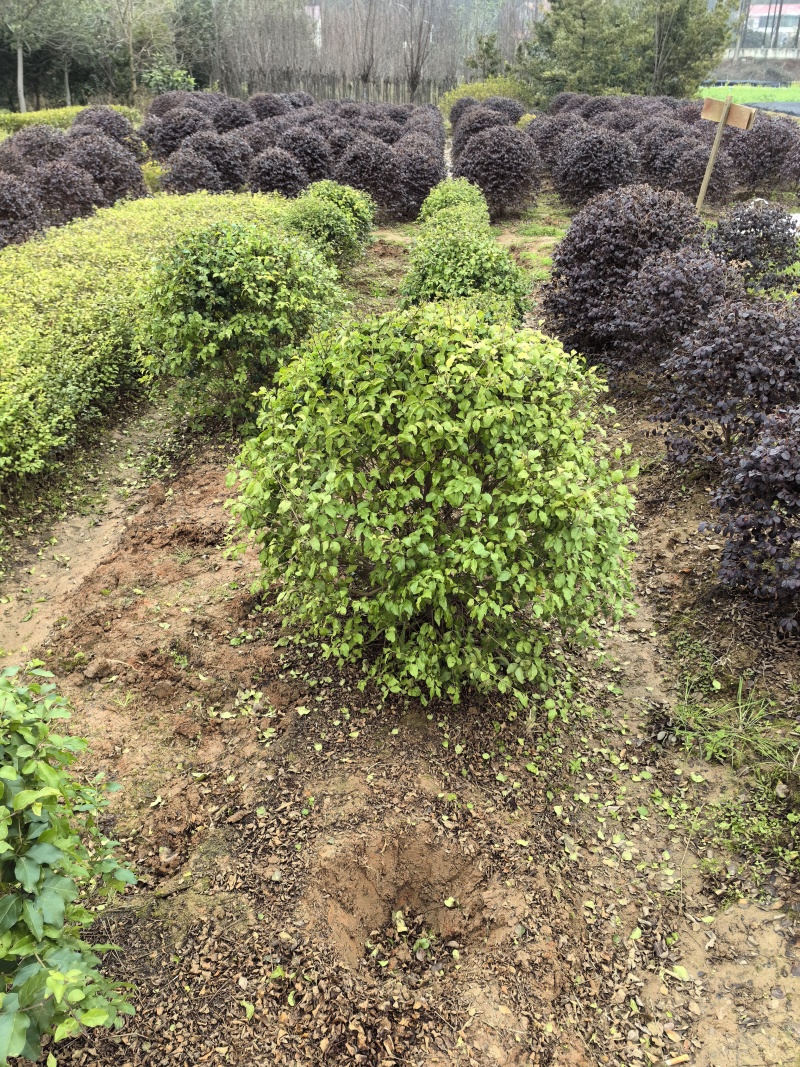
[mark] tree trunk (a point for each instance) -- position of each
(21, 80)
(67, 94)
(131, 58)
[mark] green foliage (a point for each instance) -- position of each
(752, 94)
(487, 58)
(429, 490)
(165, 79)
(600, 46)
(325, 225)
(152, 172)
(224, 306)
(452, 264)
(69, 304)
(454, 192)
(359, 205)
(51, 852)
(502, 85)
(63, 117)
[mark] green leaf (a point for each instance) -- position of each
(32, 914)
(10, 911)
(27, 873)
(42, 852)
(26, 797)
(94, 1017)
(13, 1034)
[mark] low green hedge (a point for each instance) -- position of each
(63, 117)
(502, 85)
(69, 305)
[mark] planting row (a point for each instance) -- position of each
(72, 304)
(207, 141)
(702, 317)
(590, 144)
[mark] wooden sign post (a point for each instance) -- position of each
(725, 114)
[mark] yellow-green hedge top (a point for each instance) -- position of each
(63, 117)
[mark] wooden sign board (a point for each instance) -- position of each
(739, 116)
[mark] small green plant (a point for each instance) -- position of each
(429, 490)
(358, 205)
(326, 226)
(51, 855)
(501, 85)
(454, 192)
(461, 263)
(225, 307)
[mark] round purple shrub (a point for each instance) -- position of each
(690, 168)
(689, 112)
(504, 164)
(370, 165)
(113, 167)
(549, 133)
(607, 242)
(512, 108)
(475, 121)
(300, 99)
(562, 102)
(188, 172)
(342, 138)
(175, 127)
(229, 153)
(420, 168)
(268, 105)
(148, 131)
(20, 211)
(277, 171)
(593, 162)
(597, 104)
(311, 151)
(65, 191)
(382, 129)
(39, 144)
(760, 238)
(167, 101)
(264, 134)
(207, 102)
(108, 121)
(460, 108)
(232, 115)
(759, 156)
(395, 112)
(11, 162)
(429, 122)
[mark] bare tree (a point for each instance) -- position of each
(416, 18)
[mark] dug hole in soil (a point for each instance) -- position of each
(327, 878)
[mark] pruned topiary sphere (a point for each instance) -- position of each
(277, 171)
(328, 227)
(224, 308)
(167, 101)
(11, 162)
(39, 144)
(475, 121)
(188, 172)
(445, 569)
(759, 156)
(176, 126)
(420, 168)
(113, 167)
(562, 102)
(264, 134)
(354, 202)
(340, 140)
(232, 115)
(454, 192)
(761, 238)
(512, 108)
(370, 165)
(382, 129)
(460, 107)
(300, 99)
(593, 162)
(108, 120)
(689, 170)
(268, 105)
(229, 153)
(20, 211)
(310, 149)
(607, 242)
(504, 164)
(550, 133)
(65, 191)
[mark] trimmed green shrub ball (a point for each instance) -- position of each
(326, 226)
(429, 494)
(359, 205)
(225, 307)
(448, 264)
(456, 192)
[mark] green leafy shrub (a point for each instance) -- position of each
(51, 853)
(326, 226)
(429, 490)
(456, 192)
(484, 90)
(63, 117)
(359, 205)
(69, 302)
(224, 306)
(448, 264)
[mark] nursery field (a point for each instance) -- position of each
(451, 686)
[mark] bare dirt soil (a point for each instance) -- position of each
(328, 877)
